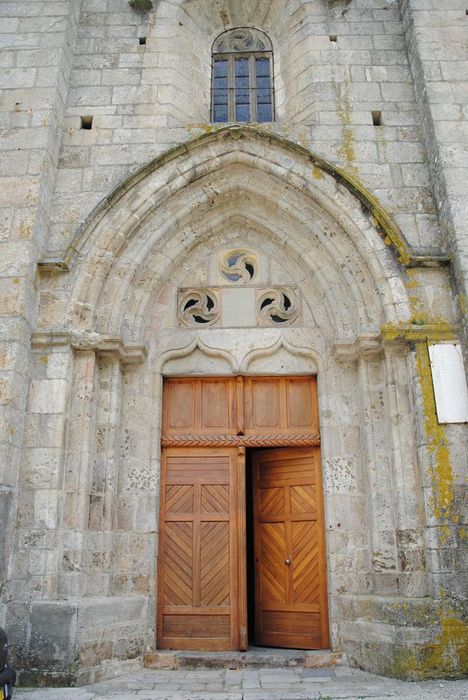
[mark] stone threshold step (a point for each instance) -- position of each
(254, 658)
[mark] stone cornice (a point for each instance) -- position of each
(349, 350)
(101, 344)
(419, 332)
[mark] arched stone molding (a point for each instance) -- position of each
(185, 360)
(151, 191)
(156, 229)
(277, 359)
(160, 213)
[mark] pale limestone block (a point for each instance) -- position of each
(340, 474)
(6, 390)
(42, 562)
(48, 396)
(41, 468)
(45, 508)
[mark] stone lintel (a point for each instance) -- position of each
(101, 344)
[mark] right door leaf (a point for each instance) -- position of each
(290, 576)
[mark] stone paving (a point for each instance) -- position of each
(248, 684)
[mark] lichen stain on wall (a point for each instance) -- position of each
(447, 656)
(443, 496)
(344, 110)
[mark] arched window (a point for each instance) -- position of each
(242, 78)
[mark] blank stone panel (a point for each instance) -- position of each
(238, 308)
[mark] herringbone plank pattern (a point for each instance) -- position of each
(215, 498)
(178, 557)
(305, 572)
(179, 499)
(273, 576)
(214, 569)
(303, 499)
(271, 501)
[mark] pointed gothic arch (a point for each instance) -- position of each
(315, 230)
(180, 200)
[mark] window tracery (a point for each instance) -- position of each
(239, 266)
(242, 77)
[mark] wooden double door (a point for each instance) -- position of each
(239, 520)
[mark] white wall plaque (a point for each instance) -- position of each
(449, 380)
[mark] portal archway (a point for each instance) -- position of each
(314, 235)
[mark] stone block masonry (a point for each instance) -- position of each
(38, 38)
(116, 191)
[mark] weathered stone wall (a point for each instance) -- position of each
(147, 98)
(38, 39)
(81, 568)
(436, 40)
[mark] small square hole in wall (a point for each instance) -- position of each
(87, 122)
(333, 37)
(377, 118)
(142, 40)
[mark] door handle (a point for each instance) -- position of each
(287, 562)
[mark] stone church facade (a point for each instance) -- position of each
(142, 241)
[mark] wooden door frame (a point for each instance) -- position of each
(242, 441)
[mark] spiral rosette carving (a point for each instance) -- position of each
(198, 307)
(277, 307)
(242, 39)
(239, 266)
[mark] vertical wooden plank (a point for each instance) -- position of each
(322, 552)
(196, 595)
(257, 550)
(283, 404)
(289, 545)
(248, 404)
(240, 420)
(160, 561)
(242, 550)
(197, 406)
